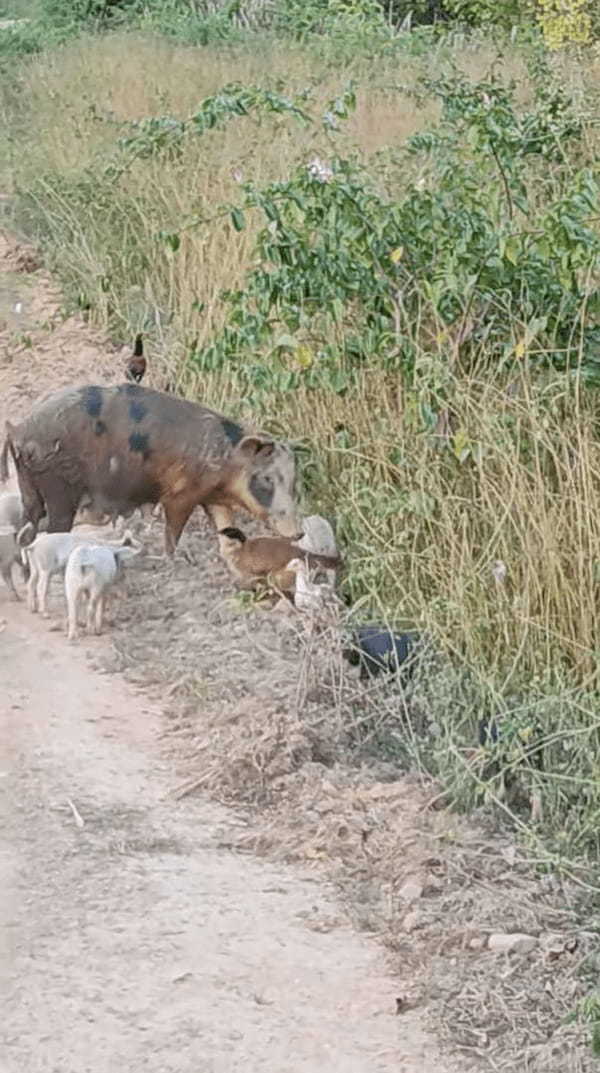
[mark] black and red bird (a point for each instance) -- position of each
(136, 366)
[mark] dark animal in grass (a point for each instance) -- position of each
(377, 650)
(526, 743)
(507, 758)
(116, 448)
(136, 366)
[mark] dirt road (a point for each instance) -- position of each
(134, 941)
(130, 938)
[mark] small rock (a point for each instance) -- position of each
(509, 853)
(517, 943)
(555, 945)
(477, 943)
(412, 921)
(411, 890)
(433, 886)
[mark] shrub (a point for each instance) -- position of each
(342, 270)
(66, 13)
(565, 22)
(486, 13)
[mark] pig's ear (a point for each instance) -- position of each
(255, 446)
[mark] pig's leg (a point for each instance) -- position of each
(177, 512)
(60, 518)
(61, 504)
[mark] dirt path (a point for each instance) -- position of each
(136, 941)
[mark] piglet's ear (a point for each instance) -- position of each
(26, 535)
(254, 446)
(124, 553)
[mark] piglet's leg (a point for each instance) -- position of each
(8, 578)
(42, 593)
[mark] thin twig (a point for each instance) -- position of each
(511, 210)
(79, 822)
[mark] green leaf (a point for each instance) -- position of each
(544, 248)
(428, 416)
(171, 239)
(285, 342)
(338, 310)
(237, 219)
(534, 328)
(461, 445)
(421, 503)
(511, 249)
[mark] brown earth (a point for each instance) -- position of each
(139, 926)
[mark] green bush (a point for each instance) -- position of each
(22, 39)
(415, 12)
(65, 13)
(471, 241)
(486, 13)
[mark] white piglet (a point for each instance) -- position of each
(91, 570)
(311, 598)
(11, 510)
(47, 555)
(9, 554)
(318, 537)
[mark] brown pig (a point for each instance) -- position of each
(119, 447)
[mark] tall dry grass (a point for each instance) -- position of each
(511, 473)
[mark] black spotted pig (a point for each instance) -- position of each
(119, 447)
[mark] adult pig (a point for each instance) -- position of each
(118, 447)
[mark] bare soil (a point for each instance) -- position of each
(139, 924)
(136, 941)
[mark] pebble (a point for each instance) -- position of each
(411, 890)
(517, 943)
